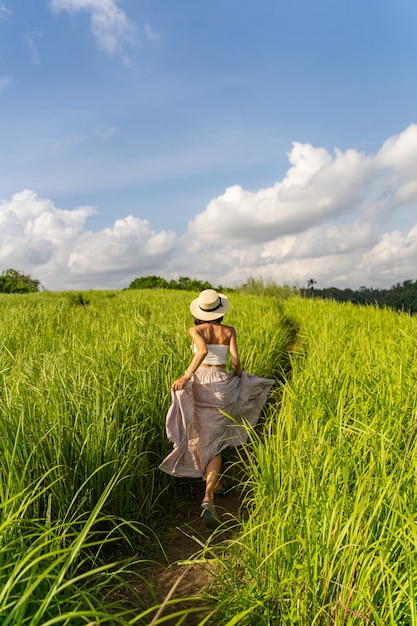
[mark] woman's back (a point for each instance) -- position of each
(214, 333)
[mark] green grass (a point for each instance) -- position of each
(51, 572)
(84, 389)
(331, 536)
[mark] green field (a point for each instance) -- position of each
(328, 534)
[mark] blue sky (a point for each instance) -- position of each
(219, 140)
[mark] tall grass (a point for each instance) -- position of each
(84, 389)
(257, 286)
(51, 572)
(89, 386)
(331, 537)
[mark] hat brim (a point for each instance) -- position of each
(209, 316)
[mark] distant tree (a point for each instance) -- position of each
(310, 286)
(12, 281)
(190, 284)
(155, 282)
(149, 282)
(401, 297)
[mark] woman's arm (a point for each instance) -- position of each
(234, 353)
(198, 358)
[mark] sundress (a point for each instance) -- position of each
(211, 413)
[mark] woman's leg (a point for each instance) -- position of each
(213, 469)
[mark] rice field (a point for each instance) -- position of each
(328, 535)
(332, 536)
(84, 390)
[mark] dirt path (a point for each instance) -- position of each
(172, 577)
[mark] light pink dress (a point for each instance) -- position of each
(211, 413)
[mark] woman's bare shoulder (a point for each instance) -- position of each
(224, 334)
(229, 329)
(198, 331)
(193, 331)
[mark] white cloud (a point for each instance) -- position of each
(345, 219)
(106, 133)
(36, 237)
(129, 245)
(326, 217)
(5, 81)
(400, 152)
(30, 41)
(398, 159)
(5, 13)
(54, 246)
(317, 187)
(109, 23)
(151, 34)
(395, 255)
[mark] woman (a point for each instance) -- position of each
(211, 406)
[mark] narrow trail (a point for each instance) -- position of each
(176, 576)
(171, 576)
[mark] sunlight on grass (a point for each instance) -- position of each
(84, 390)
(331, 535)
(327, 533)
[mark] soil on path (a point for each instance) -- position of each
(177, 576)
(174, 575)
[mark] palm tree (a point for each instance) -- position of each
(310, 286)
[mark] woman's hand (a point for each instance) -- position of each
(179, 383)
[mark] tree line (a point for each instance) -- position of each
(12, 281)
(401, 297)
(183, 283)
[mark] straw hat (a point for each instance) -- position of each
(209, 305)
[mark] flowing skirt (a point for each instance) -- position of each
(212, 412)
